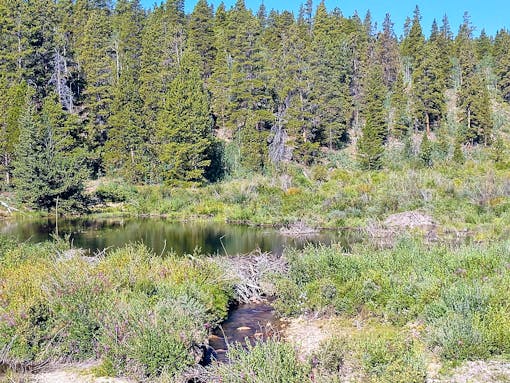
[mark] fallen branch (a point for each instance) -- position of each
(249, 274)
(10, 209)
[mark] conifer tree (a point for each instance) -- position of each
(413, 44)
(502, 62)
(476, 113)
(331, 101)
(162, 47)
(375, 130)
(12, 101)
(184, 126)
(429, 87)
(426, 150)
(400, 105)
(127, 149)
(219, 84)
(387, 52)
(95, 58)
(458, 154)
(49, 165)
(201, 36)
(250, 96)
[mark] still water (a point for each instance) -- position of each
(164, 236)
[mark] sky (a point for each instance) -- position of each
(489, 14)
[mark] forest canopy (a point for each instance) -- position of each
(89, 88)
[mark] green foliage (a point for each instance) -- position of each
(429, 87)
(268, 362)
(476, 116)
(375, 131)
(115, 191)
(184, 127)
(458, 155)
(139, 312)
(49, 165)
(456, 293)
(426, 150)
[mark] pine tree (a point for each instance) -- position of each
(413, 45)
(502, 62)
(127, 152)
(12, 101)
(375, 130)
(388, 53)
(162, 47)
(476, 113)
(400, 105)
(426, 150)
(484, 46)
(49, 165)
(429, 87)
(96, 60)
(331, 74)
(184, 126)
(458, 154)
(201, 35)
(251, 99)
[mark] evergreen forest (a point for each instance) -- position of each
(286, 126)
(91, 89)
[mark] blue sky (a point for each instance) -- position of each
(489, 14)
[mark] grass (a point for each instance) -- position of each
(142, 315)
(138, 312)
(475, 195)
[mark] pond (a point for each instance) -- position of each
(246, 322)
(163, 236)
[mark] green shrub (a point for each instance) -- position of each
(138, 312)
(115, 191)
(269, 362)
(391, 358)
(459, 337)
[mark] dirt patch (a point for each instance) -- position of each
(307, 335)
(410, 220)
(477, 372)
(73, 373)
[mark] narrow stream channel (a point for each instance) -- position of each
(245, 323)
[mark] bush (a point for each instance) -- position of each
(269, 362)
(390, 358)
(139, 312)
(459, 337)
(115, 191)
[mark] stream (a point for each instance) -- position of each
(246, 322)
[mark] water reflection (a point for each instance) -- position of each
(163, 236)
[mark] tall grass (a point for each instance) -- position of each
(138, 312)
(476, 195)
(459, 294)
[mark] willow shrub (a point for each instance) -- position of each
(269, 362)
(458, 293)
(139, 312)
